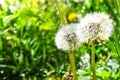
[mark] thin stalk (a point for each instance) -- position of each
(72, 62)
(93, 61)
(61, 13)
(117, 31)
(118, 4)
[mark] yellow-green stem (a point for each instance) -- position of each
(72, 62)
(93, 61)
(118, 4)
(61, 13)
(71, 55)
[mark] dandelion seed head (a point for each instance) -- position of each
(66, 39)
(96, 26)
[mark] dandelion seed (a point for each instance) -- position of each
(95, 26)
(66, 38)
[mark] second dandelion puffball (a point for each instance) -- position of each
(95, 26)
(66, 38)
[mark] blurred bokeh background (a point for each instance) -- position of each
(27, 32)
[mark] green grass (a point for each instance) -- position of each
(27, 48)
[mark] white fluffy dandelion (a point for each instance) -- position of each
(95, 26)
(66, 38)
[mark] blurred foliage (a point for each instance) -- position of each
(27, 31)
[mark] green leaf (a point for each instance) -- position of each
(103, 73)
(117, 75)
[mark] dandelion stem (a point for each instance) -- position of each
(61, 13)
(71, 55)
(93, 61)
(72, 62)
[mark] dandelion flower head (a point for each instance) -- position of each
(72, 16)
(66, 38)
(95, 26)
